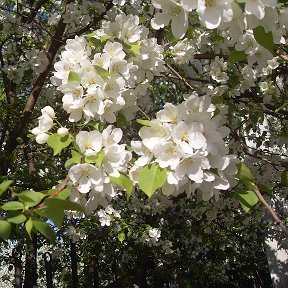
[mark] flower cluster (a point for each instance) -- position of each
(97, 85)
(104, 157)
(212, 13)
(106, 215)
(44, 125)
(187, 140)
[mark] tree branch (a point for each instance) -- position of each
(270, 210)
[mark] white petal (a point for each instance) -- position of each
(211, 18)
(160, 20)
(179, 25)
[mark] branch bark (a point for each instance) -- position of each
(57, 41)
(273, 214)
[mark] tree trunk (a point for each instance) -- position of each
(73, 255)
(31, 263)
(18, 268)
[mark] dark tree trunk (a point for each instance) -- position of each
(18, 268)
(96, 278)
(73, 255)
(31, 263)
(48, 269)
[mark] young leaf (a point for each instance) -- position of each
(144, 122)
(263, 38)
(101, 71)
(244, 173)
(247, 199)
(65, 204)
(5, 185)
(151, 178)
(136, 48)
(56, 214)
(121, 120)
(29, 226)
(124, 182)
(64, 194)
(31, 198)
(13, 205)
(97, 159)
(75, 159)
(16, 217)
(45, 229)
(74, 77)
(5, 229)
(236, 56)
(121, 236)
(58, 142)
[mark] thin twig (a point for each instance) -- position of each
(178, 76)
(60, 188)
(273, 214)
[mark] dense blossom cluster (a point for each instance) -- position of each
(212, 14)
(208, 76)
(188, 141)
(106, 157)
(108, 71)
(97, 85)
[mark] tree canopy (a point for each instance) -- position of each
(153, 134)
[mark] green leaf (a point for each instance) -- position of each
(13, 205)
(98, 158)
(19, 140)
(31, 198)
(121, 120)
(236, 56)
(101, 71)
(75, 159)
(16, 217)
(217, 100)
(65, 204)
(89, 35)
(58, 142)
(121, 236)
(247, 199)
(104, 38)
(244, 174)
(263, 38)
(64, 194)
(151, 178)
(5, 185)
(56, 214)
(135, 48)
(74, 77)
(94, 42)
(124, 182)
(144, 122)
(265, 188)
(5, 229)
(45, 229)
(284, 178)
(29, 226)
